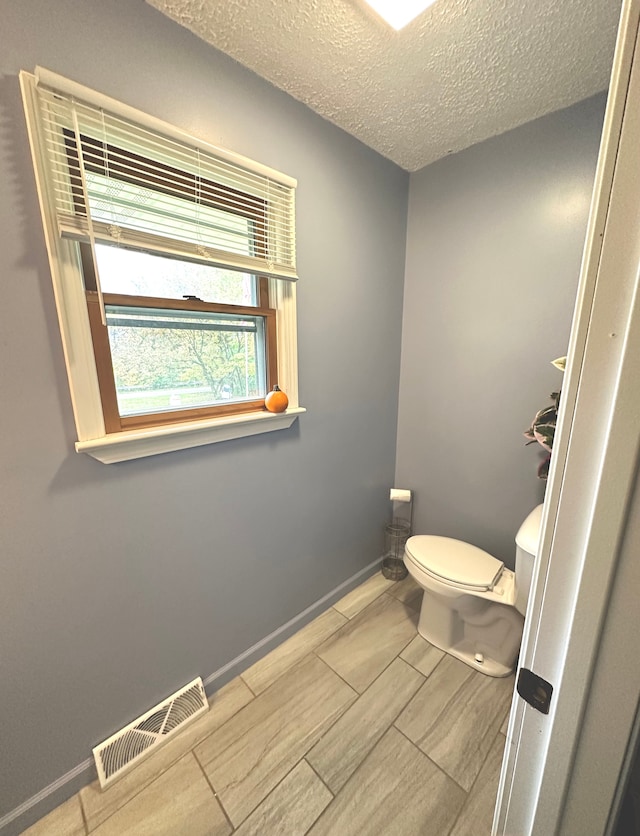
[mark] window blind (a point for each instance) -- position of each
(117, 180)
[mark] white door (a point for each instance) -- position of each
(582, 633)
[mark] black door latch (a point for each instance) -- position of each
(535, 690)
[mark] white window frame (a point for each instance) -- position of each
(73, 318)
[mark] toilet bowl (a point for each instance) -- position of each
(473, 605)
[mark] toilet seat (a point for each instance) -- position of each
(454, 562)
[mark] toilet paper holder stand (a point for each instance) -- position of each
(396, 533)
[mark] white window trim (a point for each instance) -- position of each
(135, 444)
(77, 345)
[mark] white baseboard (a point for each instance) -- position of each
(55, 792)
(47, 792)
(262, 647)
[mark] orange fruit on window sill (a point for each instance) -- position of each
(276, 400)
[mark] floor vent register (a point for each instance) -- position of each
(119, 753)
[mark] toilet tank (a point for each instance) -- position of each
(527, 540)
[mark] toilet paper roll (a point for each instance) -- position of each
(396, 495)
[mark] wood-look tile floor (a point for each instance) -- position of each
(355, 725)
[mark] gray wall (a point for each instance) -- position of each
(494, 243)
(119, 583)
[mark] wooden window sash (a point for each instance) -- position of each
(114, 422)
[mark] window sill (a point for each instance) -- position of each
(136, 444)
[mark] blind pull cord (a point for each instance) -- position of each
(114, 228)
(269, 232)
(200, 247)
(85, 194)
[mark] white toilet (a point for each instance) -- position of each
(473, 606)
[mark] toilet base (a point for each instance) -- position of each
(482, 634)
(465, 651)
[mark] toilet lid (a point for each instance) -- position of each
(454, 561)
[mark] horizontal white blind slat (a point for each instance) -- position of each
(99, 101)
(144, 189)
(104, 233)
(132, 138)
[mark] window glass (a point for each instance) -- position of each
(137, 273)
(166, 360)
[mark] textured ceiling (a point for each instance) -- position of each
(461, 72)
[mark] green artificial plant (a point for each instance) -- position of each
(543, 426)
